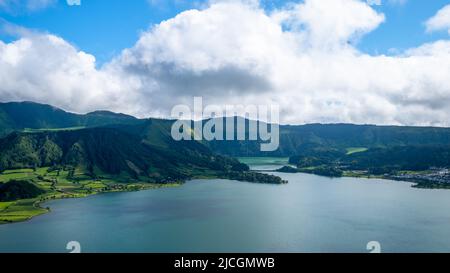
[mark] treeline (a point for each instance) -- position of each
(254, 177)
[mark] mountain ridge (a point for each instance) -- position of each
(293, 138)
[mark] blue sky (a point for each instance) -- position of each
(103, 28)
(404, 27)
(99, 27)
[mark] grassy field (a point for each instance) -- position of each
(361, 174)
(264, 160)
(18, 174)
(29, 130)
(18, 211)
(5, 205)
(354, 150)
(58, 184)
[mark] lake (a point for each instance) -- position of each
(310, 214)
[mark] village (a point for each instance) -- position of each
(435, 176)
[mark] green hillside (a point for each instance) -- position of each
(113, 153)
(30, 116)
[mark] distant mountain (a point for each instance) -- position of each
(293, 139)
(376, 160)
(17, 116)
(298, 138)
(384, 160)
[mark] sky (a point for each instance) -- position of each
(328, 61)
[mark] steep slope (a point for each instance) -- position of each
(112, 153)
(32, 115)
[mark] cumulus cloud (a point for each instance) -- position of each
(45, 68)
(441, 21)
(302, 57)
(207, 52)
(328, 24)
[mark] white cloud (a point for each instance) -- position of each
(441, 21)
(301, 57)
(45, 68)
(330, 23)
(19, 6)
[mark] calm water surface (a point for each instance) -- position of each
(310, 214)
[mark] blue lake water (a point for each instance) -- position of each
(310, 214)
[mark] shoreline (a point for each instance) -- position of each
(38, 202)
(32, 208)
(415, 183)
